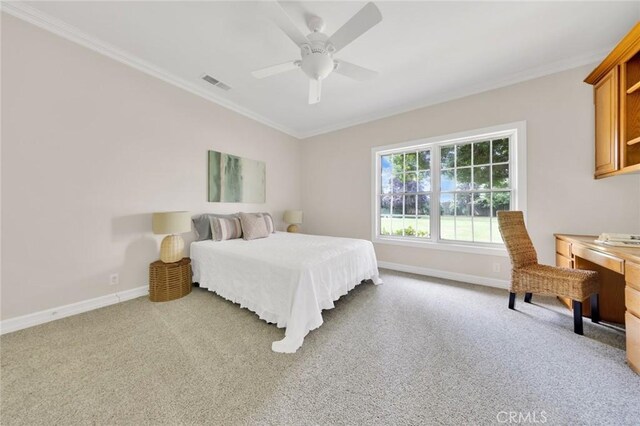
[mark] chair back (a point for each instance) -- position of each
(516, 239)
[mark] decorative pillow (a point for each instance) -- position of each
(225, 228)
(254, 226)
(202, 224)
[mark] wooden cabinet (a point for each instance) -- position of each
(633, 342)
(632, 318)
(616, 95)
(605, 97)
(630, 109)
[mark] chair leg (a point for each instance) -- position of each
(527, 297)
(512, 300)
(577, 317)
(595, 308)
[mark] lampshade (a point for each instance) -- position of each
(293, 216)
(171, 222)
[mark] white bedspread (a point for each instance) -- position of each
(287, 279)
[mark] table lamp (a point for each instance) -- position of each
(172, 223)
(294, 217)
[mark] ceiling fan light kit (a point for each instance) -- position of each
(317, 49)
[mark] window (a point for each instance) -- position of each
(474, 185)
(448, 190)
(405, 196)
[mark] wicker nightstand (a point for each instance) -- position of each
(169, 281)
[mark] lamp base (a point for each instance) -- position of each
(293, 228)
(171, 248)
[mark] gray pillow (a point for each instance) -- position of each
(254, 226)
(202, 224)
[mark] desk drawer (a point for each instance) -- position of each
(633, 275)
(632, 325)
(632, 300)
(563, 248)
(563, 262)
(609, 262)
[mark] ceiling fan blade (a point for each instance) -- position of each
(276, 69)
(286, 24)
(359, 24)
(354, 71)
(315, 89)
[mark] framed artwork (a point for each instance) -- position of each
(234, 179)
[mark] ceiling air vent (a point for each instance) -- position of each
(215, 82)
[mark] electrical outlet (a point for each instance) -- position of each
(114, 279)
(496, 267)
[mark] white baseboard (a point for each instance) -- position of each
(473, 279)
(30, 320)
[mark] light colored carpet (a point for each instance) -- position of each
(415, 350)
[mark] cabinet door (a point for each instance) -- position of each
(606, 106)
(632, 325)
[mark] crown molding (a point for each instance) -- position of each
(530, 74)
(47, 22)
(40, 19)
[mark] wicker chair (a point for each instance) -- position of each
(528, 276)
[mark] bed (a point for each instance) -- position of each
(286, 279)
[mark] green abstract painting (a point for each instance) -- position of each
(234, 179)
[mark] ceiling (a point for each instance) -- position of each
(425, 52)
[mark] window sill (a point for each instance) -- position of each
(488, 250)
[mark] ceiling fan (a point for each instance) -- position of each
(317, 49)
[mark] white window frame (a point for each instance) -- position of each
(517, 133)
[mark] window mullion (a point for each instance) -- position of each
(377, 185)
(434, 222)
(491, 190)
(513, 177)
(455, 194)
(472, 194)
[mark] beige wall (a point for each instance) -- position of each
(562, 195)
(91, 147)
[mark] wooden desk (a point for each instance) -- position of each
(619, 269)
